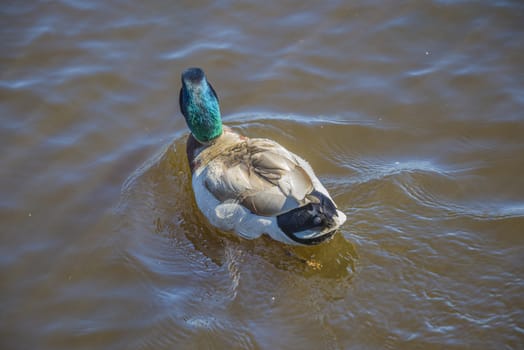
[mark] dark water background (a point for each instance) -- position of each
(411, 113)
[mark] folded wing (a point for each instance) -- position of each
(261, 175)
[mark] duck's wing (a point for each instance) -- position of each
(261, 175)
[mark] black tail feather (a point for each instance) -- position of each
(310, 216)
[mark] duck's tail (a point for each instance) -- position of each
(312, 223)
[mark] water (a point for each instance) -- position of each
(410, 113)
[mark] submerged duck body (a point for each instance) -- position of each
(251, 186)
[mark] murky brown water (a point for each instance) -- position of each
(411, 113)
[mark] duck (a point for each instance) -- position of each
(251, 186)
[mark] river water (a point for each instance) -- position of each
(410, 112)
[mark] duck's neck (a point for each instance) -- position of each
(205, 128)
(199, 154)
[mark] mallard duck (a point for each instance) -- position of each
(251, 186)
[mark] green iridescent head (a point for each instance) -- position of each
(199, 105)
